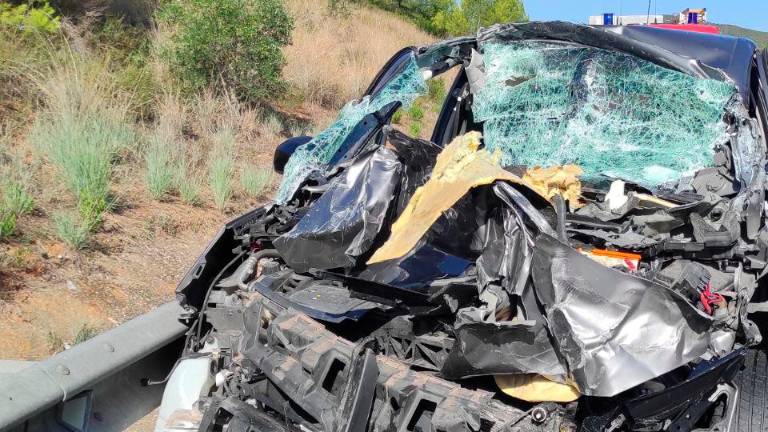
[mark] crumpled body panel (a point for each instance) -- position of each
(615, 331)
(316, 154)
(342, 224)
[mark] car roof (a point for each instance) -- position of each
(729, 54)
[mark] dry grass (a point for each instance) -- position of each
(333, 59)
(164, 147)
(84, 126)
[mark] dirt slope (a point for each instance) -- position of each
(49, 294)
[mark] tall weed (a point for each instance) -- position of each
(72, 230)
(255, 180)
(83, 127)
(159, 159)
(222, 166)
(187, 183)
(15, 198)
(163, 148)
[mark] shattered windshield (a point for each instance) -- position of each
(316, 154)
(548, 104)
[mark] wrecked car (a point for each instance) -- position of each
(578, 247)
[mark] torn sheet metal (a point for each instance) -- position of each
(417, 269)
(508, 347)
(343, 223)
(614, 330)
(418, 158)
(461, 166)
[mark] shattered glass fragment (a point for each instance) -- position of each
(548, 104)
(316, 154)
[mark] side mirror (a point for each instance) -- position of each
(284, 151)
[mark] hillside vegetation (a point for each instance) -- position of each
(759, 37)
(118, 163)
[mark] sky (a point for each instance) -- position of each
(745, 13)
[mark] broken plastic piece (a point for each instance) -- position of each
(615, 198)
(614, 259)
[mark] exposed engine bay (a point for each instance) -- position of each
(575, 249)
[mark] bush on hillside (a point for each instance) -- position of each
(35, 16)
(449, 17)
(229, 45)
(469, 15)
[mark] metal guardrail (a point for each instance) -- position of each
(103, 361)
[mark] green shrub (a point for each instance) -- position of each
(416, 113)
(451, 17)
(229, 45)
(15, 199)
(34, 16)
(73, 231)
(469, 15)
(341, 7)
(397, 117)
(221, 167)
(436, 90)
(255, 180)
(7, 223)
(16, 202)
(84, 333)
(415, 129)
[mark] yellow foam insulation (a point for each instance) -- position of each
(461, 166)
(536, 388)
(558, 180)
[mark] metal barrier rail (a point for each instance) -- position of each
(105, 361)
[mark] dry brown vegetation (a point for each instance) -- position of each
(50, 291)
(332, 59)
